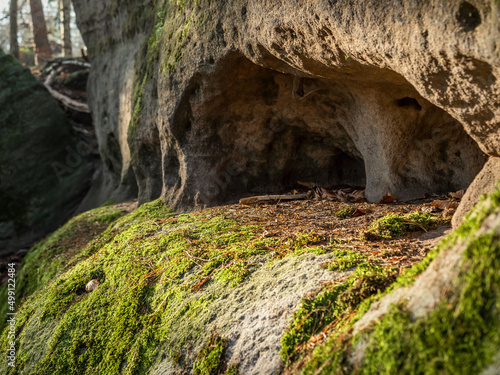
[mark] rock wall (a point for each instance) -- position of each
(247, 97)
(114, 34)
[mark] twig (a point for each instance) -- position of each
(159, 307)
(270, 198)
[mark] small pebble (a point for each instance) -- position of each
(91, 285)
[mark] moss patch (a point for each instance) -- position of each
(395, 225)
(210, 359)
(60, 251)
(330, 309)
(345, 212)
(460, 336)
(153, 267)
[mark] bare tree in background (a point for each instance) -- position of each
(65, 15)
(14, 43)
(41, 41)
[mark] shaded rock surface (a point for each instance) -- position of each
(45, 170)
(248, 97)
(484, 182)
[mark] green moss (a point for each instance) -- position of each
(60, 250)
(346, 259)
(460, 336)
(395, 225)
(158, 273)
(232, 370)
(345, 212)
(331, 306)
(209, 360)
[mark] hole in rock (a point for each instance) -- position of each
(409, 102)
(468, 16)
(250, 133)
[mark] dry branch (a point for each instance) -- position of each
(67, 101)
(272, 198)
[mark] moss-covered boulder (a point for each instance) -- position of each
(205, 294)
(44, 172)
(174, 293)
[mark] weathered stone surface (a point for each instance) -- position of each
(114, 34)
(44, 169)
(445, 281)
(484, 182)
(254, 315)
(247, 97)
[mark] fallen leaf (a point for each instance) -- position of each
(342, 196)
(388, 198)
(361, 212)
(357, 196)
(458, 194)
(429, 209)
(443, 205)
(448, 212)
(309, 185)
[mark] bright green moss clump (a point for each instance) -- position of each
(461, 335)
(345, 212)
(209, 360)
(394, 225)
(60, 250)
(330, 308)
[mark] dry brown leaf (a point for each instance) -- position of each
(458, 194)
(325, 194)
(361, 212)
(448, 212)
(443, 205)
(309, 185)
(429, 209)
(357, 196)
(342, 196)
(388, 198)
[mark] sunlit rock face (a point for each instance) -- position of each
(251, 96)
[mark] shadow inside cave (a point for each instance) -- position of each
(244, 129)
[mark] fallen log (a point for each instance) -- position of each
(272, 198)
(67, 101)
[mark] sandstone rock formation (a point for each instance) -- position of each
(44, 169)
(247, 97)
(201, 102)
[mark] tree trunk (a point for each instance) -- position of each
(41, 41)
(65, 14)
(14, 44)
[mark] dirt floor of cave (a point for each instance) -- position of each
(290, 219)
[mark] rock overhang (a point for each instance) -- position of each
(413, 88)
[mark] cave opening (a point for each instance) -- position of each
(250, 132)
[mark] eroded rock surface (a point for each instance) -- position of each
(247, 97)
